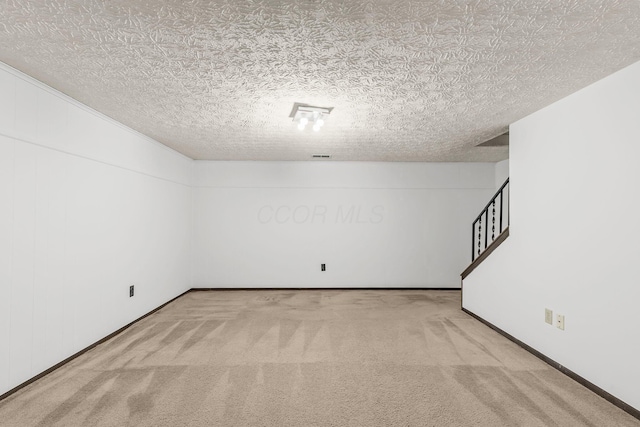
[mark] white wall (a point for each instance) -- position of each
(574, 236)
(271, 224)
(87, 207)
(502, 172)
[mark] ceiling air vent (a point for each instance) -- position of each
(321, 156)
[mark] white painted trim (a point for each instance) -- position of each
(21, 138)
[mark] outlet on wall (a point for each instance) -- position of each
(323, 267)
(560, 321)
(548, 316)
(130, 291)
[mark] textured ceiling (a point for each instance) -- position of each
(409, 80)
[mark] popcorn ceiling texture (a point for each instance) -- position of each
(409, 80)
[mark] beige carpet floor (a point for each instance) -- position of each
(309, 358)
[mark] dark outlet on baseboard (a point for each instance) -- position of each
(130, 291)
(323, 267)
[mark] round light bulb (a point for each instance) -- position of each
(320, 122)
(304, 121)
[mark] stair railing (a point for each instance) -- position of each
(480, 227)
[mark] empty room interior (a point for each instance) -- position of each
(319, 212)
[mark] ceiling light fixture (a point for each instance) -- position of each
(303, 114)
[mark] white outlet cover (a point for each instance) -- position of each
(560, 322)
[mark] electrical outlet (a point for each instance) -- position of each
(560, 321)
(130, 291)
(323, 267)
(548, 316)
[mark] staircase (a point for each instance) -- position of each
(490, 228)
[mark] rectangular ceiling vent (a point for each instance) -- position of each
(321, 156)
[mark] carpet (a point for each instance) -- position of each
(309, 358)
